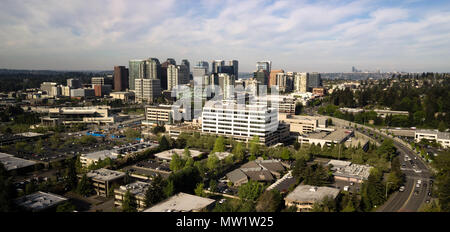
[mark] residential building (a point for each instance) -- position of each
(262, 76)
(137, 192)
(40, 202)
(120, 78)
(314, 80)
(304, 196)
(257, 170)
(182, 202)
(301, 82)
(103, 179)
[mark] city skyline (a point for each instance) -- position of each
(321, 36)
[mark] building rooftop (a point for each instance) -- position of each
(112, 154)
(182, 202)
(357, 171)
(104, 174)
(440, 135)
(10, 162)
(167, 155)
(30, 134)
(236, 175)
(339, 163)
(137, 188)
(308, 193)
(337, 135)
(222, 155)
(39, 201)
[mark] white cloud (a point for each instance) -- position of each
(295, 35)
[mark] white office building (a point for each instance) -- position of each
(240, 121)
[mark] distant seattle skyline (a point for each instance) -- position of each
(304, 36)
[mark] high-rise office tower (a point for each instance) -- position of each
(152, 69)
(226, 83)
(215, 64)
(171, 61)
(147, 90)
(73, 83)
(273, 77)
(176, 75)
(187, 64)
(265, 65)
(136, 71)
(120, 78)
(262, 76)
(314, 80)
(235, 65)
(301, 82)
(199, 72)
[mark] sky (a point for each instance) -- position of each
(296, 35)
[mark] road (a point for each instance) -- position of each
(406, 201)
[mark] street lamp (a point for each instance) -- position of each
(387, 184)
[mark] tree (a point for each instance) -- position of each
(269, 201)
(199, 190)
(442, 126)
(84, 186)
(285, 154)
(250, 190)
(155, 192)
(219, 145)
(212, 185)
(65, 207)
(239, 151)
(163, 144)
(350, 207)
(177, 163)
(327, 204)
(128, 203)
(70, 175)
(254, 146)
(213, 162)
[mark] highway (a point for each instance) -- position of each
(411, 199)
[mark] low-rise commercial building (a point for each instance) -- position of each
(167, 155)
(124, 96)
(346, 171)
(442, 138)
(39, 201)
(12, 163)
(182, 202)
(304, 196)
(257, 170)
(303, 124)
(137, 191)
(102, 179)
(94, 157)
(326, 138)
(74, 115)
(162, 114)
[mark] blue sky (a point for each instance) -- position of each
(296, 35)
